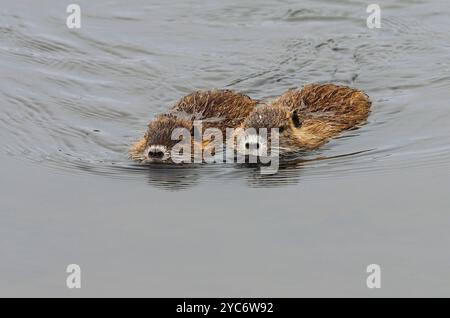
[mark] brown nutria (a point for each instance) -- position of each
(215, 108)
(307, 118)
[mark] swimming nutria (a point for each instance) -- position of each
(215, 108)
(306, 117)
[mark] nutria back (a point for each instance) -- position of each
(216, 108)
(341, 106)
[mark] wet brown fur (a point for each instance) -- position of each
(324, 110)
(215, 108)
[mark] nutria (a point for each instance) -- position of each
(307, 117)
(215, 108)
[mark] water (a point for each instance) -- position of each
(73, 101)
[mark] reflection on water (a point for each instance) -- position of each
(172, 178)
(76, 100)
(183, 176)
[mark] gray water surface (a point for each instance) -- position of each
(73, 101)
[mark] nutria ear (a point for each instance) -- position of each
(296, 120)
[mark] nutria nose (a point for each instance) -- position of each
(157, 154)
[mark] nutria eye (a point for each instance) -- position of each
(280, 130)
(296, 120)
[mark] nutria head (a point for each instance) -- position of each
(253, 142)
(157, 143)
